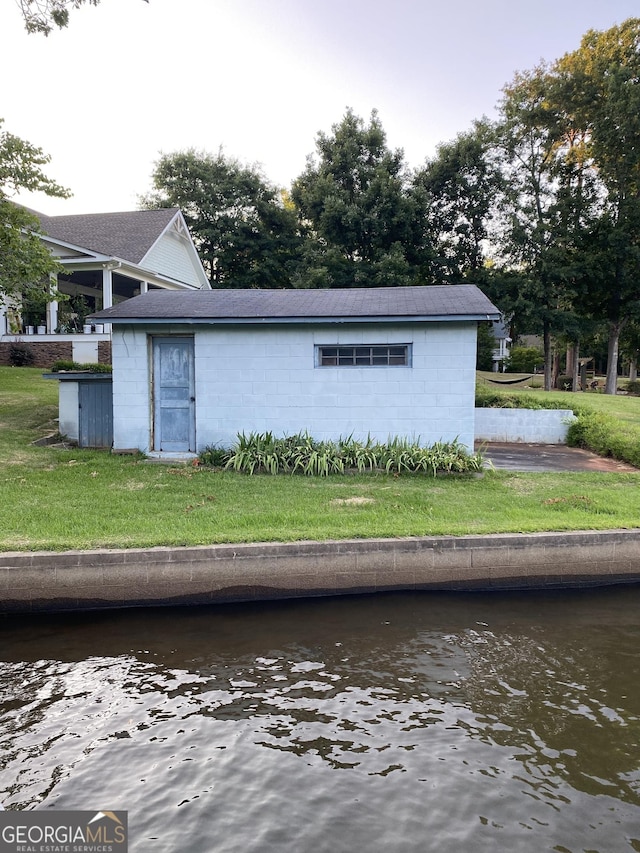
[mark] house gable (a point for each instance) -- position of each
(175, 254)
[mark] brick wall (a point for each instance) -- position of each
(46, 352)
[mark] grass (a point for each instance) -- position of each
(57, 499)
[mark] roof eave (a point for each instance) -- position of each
(263, 321)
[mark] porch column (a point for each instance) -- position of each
(52, 317)
(107, 293)
(144, 286)
(52, 307)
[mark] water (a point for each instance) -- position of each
(402, 723)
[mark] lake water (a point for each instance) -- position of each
(404, 722)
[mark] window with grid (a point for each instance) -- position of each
(369, 355)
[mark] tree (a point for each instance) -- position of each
(549, 197)
(485, 346)
(243, 227)
(25, 262)
(602, 90)
(354, 203)
(42, 16)
(459, 189)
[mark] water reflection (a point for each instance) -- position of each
(398, 722)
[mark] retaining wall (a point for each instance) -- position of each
(82, 580)
(531, 426)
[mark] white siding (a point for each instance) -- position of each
(171, 257)
(256, 379)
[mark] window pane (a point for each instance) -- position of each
(380, 355)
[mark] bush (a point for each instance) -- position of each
(564, 383)
(302, 454)
(603, 434)
(214, 457)
(633, 387)
(21, 355)
(64, 365)
(488, 398)
(524, 360)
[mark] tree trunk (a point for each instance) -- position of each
(611, 385)
(548, 356)
(633, 369)
(575, 367)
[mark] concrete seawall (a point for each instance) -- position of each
(84, 580)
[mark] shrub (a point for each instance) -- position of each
(603, 434)
(488, 398)
(524, 360)
(63, 365)
(21, 355)
(633, 386)
(302, 454)
(215, 457)
(564, 383)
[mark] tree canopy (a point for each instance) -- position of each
(540, 207)
(359, 217)
(570, 136)
(25, 262)
(243, 227)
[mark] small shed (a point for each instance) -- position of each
(85, 407)
(194, 369)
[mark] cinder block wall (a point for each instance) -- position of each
(544, 426)
(265, 378)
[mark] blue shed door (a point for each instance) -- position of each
(95, 423)
(174, 410)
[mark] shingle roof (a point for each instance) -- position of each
(127, 235)
(441, 301)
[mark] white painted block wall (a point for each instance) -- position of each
(539, 426)
(251, 379)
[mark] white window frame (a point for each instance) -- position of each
(363, 355)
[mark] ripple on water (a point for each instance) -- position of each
(391, 723)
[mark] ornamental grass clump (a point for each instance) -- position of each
(302, 454)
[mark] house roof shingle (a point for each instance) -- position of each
(462, 301)
(128, 235)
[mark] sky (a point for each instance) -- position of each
(130, 80)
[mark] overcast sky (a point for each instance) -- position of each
(129, 79)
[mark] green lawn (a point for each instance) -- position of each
(55, 499)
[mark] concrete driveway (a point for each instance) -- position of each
(548, 457)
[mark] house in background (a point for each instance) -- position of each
(500, 333)
(107, 258)
(194, 369)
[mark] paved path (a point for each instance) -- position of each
(549, 457)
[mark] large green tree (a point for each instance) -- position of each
(25, 262)
(353, 199)
(244, 228)
(570, 133)
(600, 87)
(550, 197)
(458, 191)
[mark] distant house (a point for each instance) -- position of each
(502, 340)
(194, 369)
(107, 258)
